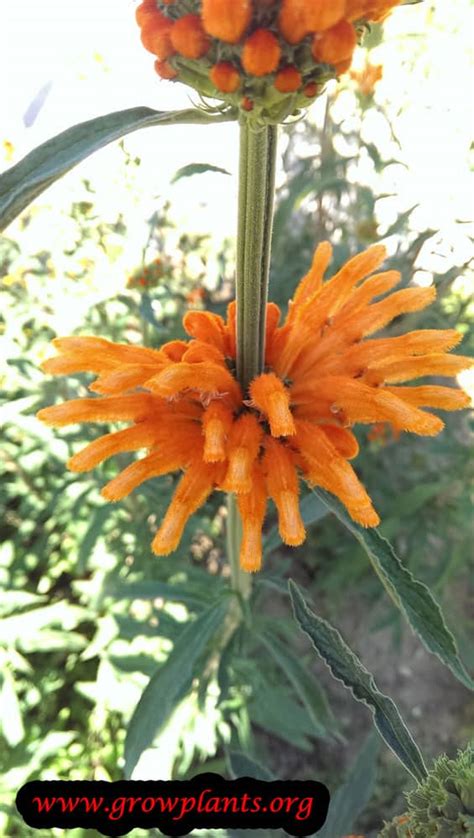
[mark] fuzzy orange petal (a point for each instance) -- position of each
(193, 490)
(269, 394)
(205, 378)
(252, 507)
(312, 282)
(176, 452)
(282, 486)
(406, 369)
(430, 395)
(361, 403)
(207, 327)
(343, 440)
(216, 425)
(112, 408)
(242, 450)
(142, 435)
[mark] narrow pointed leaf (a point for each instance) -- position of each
(172, 680)
(346, 667)
(21, 184)
(412, 597)
(241, 765)
(309, 691)
(197, 169)
(352, 797)
(312, 510)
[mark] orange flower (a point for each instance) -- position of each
(189, 38)
(225, 77)
(324, 372)
(238, 43)
(261, 53)
(288, 80)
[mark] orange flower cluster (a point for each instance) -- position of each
(273, 54)
(323, 374)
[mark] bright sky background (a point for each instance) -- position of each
(91, 54)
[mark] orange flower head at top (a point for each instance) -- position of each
(266, 58)
(325, 371)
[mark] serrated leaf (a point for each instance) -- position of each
(241, 765)
(309, 691)
(171, 682)
(412, 597)
(347, 668)
(21, 184)
(352, 797)
(312, 510)
(197, 169)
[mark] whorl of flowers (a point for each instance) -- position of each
(267, 57)
(443, 805)
(322, 375)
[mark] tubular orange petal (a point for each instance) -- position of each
(216, 424)
(206, 327)
(430, 395)
(273, 314)
(343, 440)
(142, 435)
(405, 369)
(112, 408)
(378, 315)
(193, 490)
(361, 403)
(312, 282)
(125, 378)
(231, 329)
(282, 486)
(205, 378)
(175, 349)
(269, 394)
(177, 449)
(243, 447)
(334, 293)
(326, 468)
(252, 507)
(198, 351)
(372, 287)
(155, 465)
(420, 342)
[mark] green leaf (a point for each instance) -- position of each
(351, 798)
(10, 714)
(312, 509)
(151, 589)
(171, 682)
(412, 597)
(241, 765)
(21, 184)
(309, 691)
(197, 169)
(346, 667)
(281, 715)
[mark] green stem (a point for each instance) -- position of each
(256, 196)
(240, 580)
(254, 234)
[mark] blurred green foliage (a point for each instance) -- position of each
(88, 615)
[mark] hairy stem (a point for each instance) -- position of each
(256, 196)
